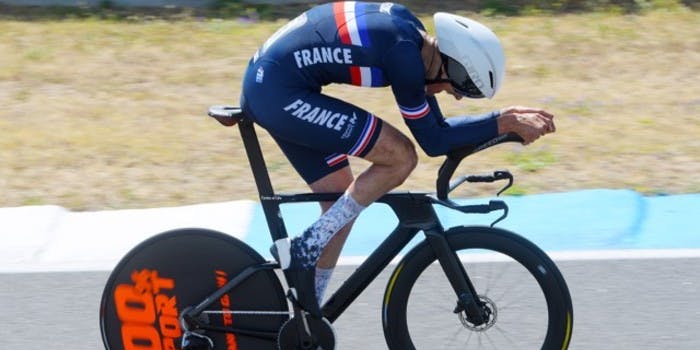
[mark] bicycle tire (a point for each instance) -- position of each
(151, 286)
(406, 283)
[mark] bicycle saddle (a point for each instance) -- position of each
(226, 115)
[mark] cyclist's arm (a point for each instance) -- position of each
(435, 135)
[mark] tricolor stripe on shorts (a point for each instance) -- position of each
(366, 137)
(335, 159)
(416, 112)
(360, 146)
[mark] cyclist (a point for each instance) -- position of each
(370, 45)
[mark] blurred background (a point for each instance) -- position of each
(103, 102)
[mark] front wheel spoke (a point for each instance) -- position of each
(469, 338)
(504, 304)
(486, 335)
(512, 287)
(490, 283)
(506, 336)
(456, 335)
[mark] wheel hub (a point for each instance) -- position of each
(490, 310)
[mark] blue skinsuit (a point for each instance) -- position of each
(357, 43)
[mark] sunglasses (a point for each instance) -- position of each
(459, 78)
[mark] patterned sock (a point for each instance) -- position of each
(323, 276)
(307, 247)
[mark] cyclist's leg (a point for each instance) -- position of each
(393, 157)
(341, 180)
(317, 133)
(384, 174)
(338, 181)
(322, 178)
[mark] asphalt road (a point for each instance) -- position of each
(618, 304)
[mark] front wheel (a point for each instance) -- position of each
(526, 297)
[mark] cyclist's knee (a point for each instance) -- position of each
(406, 159)
(395, 151)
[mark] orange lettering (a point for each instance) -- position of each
(228, 320)
(225, 301)
(133, 306)
(147, 281)
(138, 337)
(169, 344)
(169, 327)
(166, 305)
(231, 343)
(220, 281)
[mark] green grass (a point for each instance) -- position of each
(109, 113)
(531, 160)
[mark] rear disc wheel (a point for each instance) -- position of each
(152, 285)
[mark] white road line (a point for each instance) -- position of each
(583, 255)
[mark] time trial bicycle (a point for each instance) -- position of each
(460, 287)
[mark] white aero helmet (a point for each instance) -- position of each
(472, 55)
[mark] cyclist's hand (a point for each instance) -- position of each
(529, 123)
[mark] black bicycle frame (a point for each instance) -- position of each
(414, 211)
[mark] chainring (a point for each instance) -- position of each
(322, 335)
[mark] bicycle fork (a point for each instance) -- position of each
(467, 297)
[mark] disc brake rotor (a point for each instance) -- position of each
(491, 311)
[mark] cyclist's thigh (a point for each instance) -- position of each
(313, 165)
(320, 122)
(392, 147)
(314, 130)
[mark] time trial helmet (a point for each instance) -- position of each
(472, 55)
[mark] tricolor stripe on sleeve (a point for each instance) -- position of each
(416, 112)
(366, 76)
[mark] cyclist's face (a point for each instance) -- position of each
(450, 90)
(432, 89)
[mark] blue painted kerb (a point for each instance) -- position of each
(581, 220)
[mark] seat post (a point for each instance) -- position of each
(268, 200)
